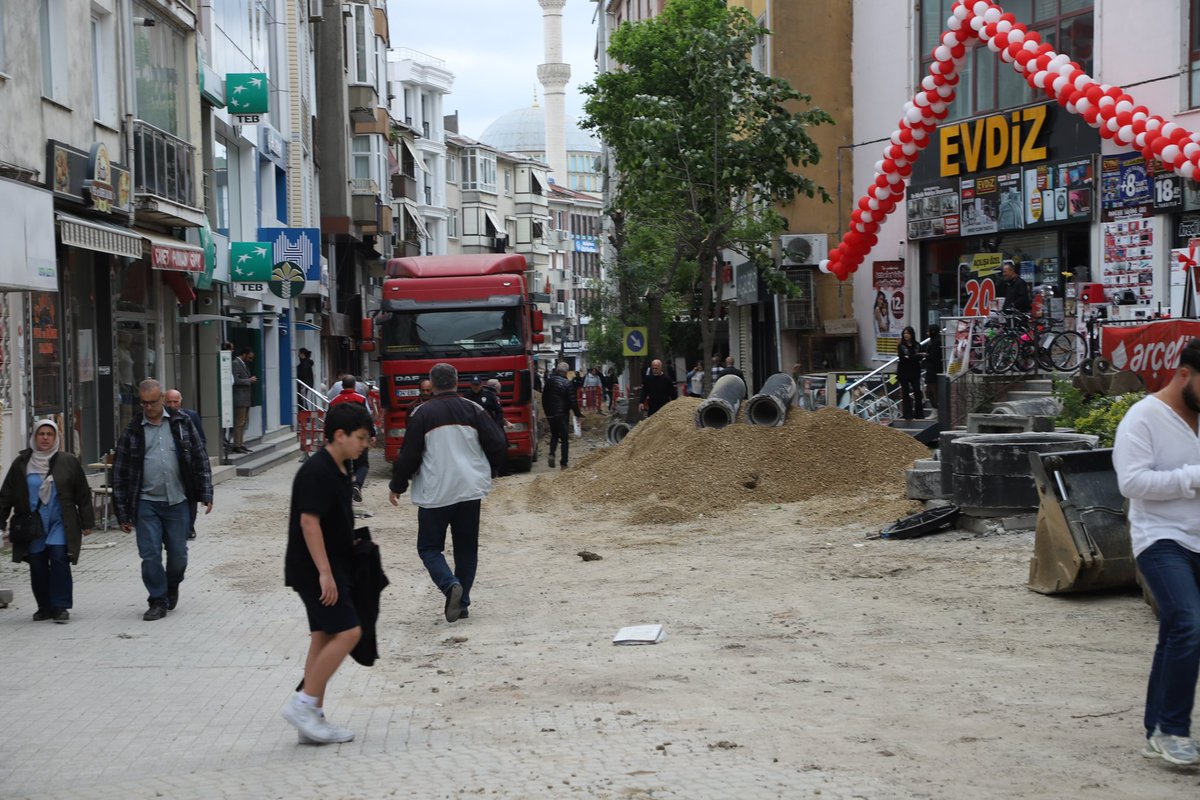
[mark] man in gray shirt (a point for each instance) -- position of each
(160, 468)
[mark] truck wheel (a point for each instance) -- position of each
(522, 464)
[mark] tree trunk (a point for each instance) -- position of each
(708, 314)
(654, 312)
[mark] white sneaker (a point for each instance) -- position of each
(1173, 749)
(306, 719)
(333, 733)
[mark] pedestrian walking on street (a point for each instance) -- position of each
(695, 381)
(362, 463)
(305, 367)
(489, 401)
(559, 401)
(174, 401)
(243, 382)
(319, 563)
(52, 482)
(657, 388)
(451, 449)
(1157, 460)
(159, 469)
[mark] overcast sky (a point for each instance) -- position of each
(493, 48)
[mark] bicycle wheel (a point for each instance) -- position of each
(1026, 355)
(1066, 351)
(1003, 352)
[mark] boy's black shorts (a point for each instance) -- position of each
(336, 618)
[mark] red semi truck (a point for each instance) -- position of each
(472, 311)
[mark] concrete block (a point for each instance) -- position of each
(6, 597)
(923, 484)
(927, 463)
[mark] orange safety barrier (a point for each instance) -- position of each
(310, 429)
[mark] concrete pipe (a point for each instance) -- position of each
(770, 406)
(720, 408)
(616, 431)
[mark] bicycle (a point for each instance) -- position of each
(1035, 344)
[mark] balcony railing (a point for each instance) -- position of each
(408, 54)
(365, 186)
(163, 164)
(404, 187)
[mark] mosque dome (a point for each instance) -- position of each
(524, 131)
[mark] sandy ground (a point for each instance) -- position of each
(923, 665)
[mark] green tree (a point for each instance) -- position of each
(705, 145)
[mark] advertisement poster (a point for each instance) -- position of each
(1127, 269)
(1011, 213)
(47, 355)
(933, 212)
(1151, 350)
(1125, 184)
(887, 278)
(1059, 193)
(811, 392)
(977, 283)
(960, 356)
(980, 205)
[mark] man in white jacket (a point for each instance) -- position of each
(1157, 459)
(451, 448)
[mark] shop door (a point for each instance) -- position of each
(91, 348)
(252, 338)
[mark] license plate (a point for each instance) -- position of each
(407, 392)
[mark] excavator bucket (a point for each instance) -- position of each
(1082, 538)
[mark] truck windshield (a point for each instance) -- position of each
(449, 332)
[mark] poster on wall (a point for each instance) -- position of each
(1011, 208)
(1127, 268)
(47, 354)
(887, 278)
(933, 212)
(980, 205)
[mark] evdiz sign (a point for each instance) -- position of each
(993, 142)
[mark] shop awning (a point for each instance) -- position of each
(173, 255)
(178, 282)
(99, 236)
(418, 223)
(27, 257)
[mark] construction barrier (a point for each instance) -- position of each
(311, 430)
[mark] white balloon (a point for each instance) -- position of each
(991, 14)
(1139, 141)
(878, 167)
(921, 100)
(1058, 62)
(873, 204)
(980, 8)
(1030, 45)
(961, 12)
(1190, 150)
(1187, 169)
(942, 53)
(896, 138)
(950, 39)
(945, 90)
(1125, 134)
(954, 23)
(937, 108)
(918, 134)
(909, 148)
(928, 83)
(894, 177)
(1124, 106)
(824, 266)
(1003, 26)
(1039, 79)
(1083, 105)
(1060, 83)
(1170, 153)
(913, 115)
(1112, 124)
(977, 23)
(1153, 124)
(993, 44)
(1168, 129)
(1083, 80)
(1016, 35)
(866, 217)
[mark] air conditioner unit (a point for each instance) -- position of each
(316, 10)
(804, 250)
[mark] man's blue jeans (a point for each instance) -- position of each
(1172, 573)
(463, 520)
(161, 525)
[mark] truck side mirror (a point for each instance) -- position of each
(538, 322)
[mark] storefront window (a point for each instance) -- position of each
(985, 82)
(84, 336)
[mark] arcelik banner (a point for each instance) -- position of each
(1150, 350)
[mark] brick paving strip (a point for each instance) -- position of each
(110, 706)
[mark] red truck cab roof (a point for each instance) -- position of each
(456, 266)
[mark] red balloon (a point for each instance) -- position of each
(905, 171)
(1094, 93)
(889, 165)
(1105, 133)
(906, 135)
(1032, 36)
(1124, 118)
(870, 240)
(1043, 61)
(1179, 134)
(1091, 115)
(1114, 92)
(958, 51)
(1024, 57)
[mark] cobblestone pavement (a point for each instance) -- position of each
(109, 706)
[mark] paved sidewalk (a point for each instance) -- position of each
(110, 706)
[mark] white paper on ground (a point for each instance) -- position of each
(640, 634)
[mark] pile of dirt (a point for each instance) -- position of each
(668, 470)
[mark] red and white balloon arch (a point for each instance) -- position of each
(1107, 108)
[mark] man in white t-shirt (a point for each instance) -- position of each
(1157, 459)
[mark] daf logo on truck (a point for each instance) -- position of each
(472, 311)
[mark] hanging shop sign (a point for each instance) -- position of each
(1151, 350)
(250, 261)
(248, 97)
(89, 179)
(300, 246)
(887, 278)
(1029, 168)
(1133, 187)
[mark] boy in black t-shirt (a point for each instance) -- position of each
(318, 565)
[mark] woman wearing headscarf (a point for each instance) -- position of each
(45, 478)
